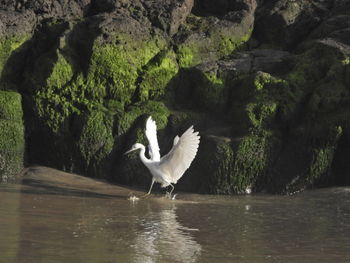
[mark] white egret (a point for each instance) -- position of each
(170, 168)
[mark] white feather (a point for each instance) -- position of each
(151, 134)
(180, 157)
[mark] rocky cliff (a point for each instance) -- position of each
(267, 84)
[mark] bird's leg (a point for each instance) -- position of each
(150, 189)
(172, 189)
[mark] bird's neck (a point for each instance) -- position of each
(143, 157)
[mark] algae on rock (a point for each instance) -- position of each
(156, 76)
(7, 46)
(116, 68)
(206, 40)
(270, 120)
(96, 142)
(12, 144)
(81, 107)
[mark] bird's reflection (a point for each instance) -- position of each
(162, 238)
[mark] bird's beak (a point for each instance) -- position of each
(131, 150)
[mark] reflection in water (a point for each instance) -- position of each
(162, 237)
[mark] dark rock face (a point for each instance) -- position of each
(13, 23)
(207, 37)
(286, 23)
(266, 83)
(168, 15)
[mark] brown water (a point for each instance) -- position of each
(42, 222)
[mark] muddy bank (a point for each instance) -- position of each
(44, 180)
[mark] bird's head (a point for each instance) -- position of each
(135, 147)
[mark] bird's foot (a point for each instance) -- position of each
(169, 196)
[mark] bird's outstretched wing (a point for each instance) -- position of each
(151, 134)
(180, 157)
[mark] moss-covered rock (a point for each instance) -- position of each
(116, 68)
(206, 39)
(305, 159)
(260, 100)
(55, 101)
(252, 159)
(7, 46)
(196, 88)
(286, 23)
(323, 155)
(82, 109)
(12, 59)
(234, 166)
(96, 142)
(157, 110)
(270, 120)
(12, 145)
(157, 74)
(211, 173)
(208, 35)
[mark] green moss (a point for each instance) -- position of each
(322, 83)
(113, 72)
(61, 74)
(12, 135)
(55, 101)
(12, 139)
(229, 43)
(10, 106)
(323, 156)
(327, 98)
(84, 105)
(157, 75)
(211, 92)
(263, 97)
(321, 163)
(346, 61)
(262, 79)
(260, 113)
(216, 43)
(235, 166)
(311, 68)
(251, 160)
(222, 160)
(156, 109)
(214, 78)
(116, 68)
(198, 90)
(210, 173)
(96, 140)
(7, 46)
(184, 119)
(265, 80)
(186, 56)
